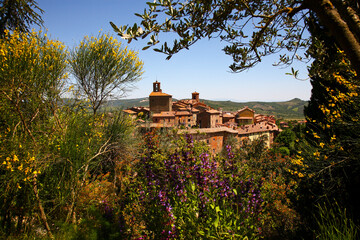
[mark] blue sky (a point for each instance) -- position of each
(203, 68)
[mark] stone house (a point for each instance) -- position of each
(184, 118)
(227, 117)
(166, 118)
(209, 118)
(245, 116)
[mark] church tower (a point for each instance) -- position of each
(159, 101)
(156, 87)
(195, 96)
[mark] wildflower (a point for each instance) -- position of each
(316, 154)
(316, 135)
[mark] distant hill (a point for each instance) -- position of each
(127, 103)
(292, 109)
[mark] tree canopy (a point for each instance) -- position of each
(19, 14)
(101, 67)
(252, 28)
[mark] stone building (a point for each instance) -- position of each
(185, 119)
(212, 126)
(245, 116)
(208, 118)
(134, 112)
(262, 118)
(213, 137)
(130, 113)
(159, 101)
(254, 131)
(227, 117)
(165, 118)
(216, 137)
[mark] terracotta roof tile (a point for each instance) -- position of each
(183, 113)
(244, 118)
(245, 108)
(258, 127)
(164, 114)
(227, 115)
(156, 125)
(213, 111)
(207, 130)
(128, 111)
(160, 94)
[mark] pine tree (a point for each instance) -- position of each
(19, 14)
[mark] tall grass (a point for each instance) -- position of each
(334, 223)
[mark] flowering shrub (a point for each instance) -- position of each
(53, 152)
(32, 73)
(187, 195)
(103, 69)
(278, 186)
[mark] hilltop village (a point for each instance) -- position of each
(203, 122)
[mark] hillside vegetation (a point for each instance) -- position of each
(292, 109)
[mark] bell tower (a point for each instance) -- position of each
(156, 87)
(159, 101)
(195, 96)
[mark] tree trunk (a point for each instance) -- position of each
(350, 15)
(42, 212)
(71, 214)
(339, 28)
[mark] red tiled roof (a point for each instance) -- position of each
(244, 118)
(213, 111)
(128, 111)
(161, 94)
(164, 114)
(245, 108)
(183, 113)
(156, 125)
(201, 104)
(207, 130)
(258, 127)
(189, 101)
(227, 115)
(255, 128)
(140, 109)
